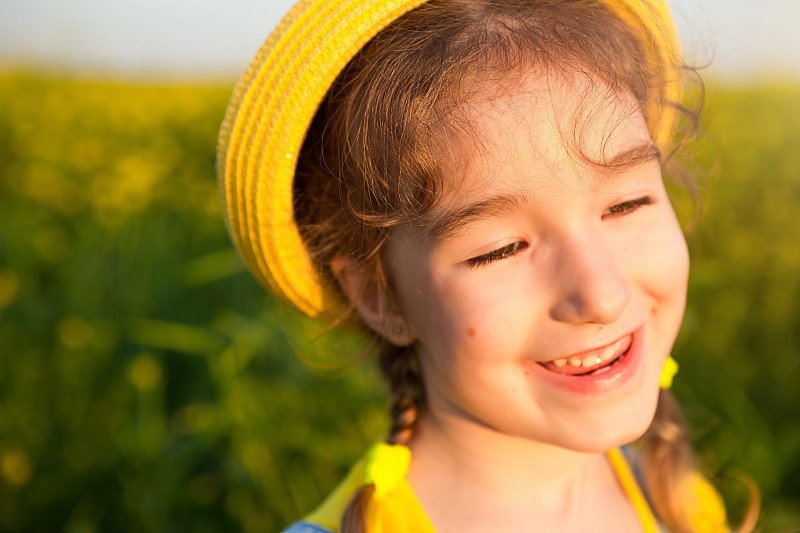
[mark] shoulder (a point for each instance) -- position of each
(306, 527)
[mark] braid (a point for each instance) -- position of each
(398, 365)
(354, 517)
(667, 457)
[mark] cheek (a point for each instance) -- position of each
(448, 320)
(675, 266)
(666, 287)
(468, 315)
(482, 319)
(451, 322)
(428, 308)
(666, 263)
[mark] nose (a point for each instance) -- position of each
(591, 285)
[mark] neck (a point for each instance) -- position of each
(461, 465)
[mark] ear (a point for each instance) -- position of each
(379, 315)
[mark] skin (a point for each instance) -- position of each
(535, 254)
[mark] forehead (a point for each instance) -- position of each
(535, 141)
(536, 124)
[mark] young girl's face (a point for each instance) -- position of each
(547, 292)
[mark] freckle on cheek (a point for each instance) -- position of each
(471, 332)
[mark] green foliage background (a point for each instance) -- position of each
(147, 384)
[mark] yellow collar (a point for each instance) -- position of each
(399, 510)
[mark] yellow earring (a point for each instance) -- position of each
(668, 372)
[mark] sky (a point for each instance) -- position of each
(743, 39)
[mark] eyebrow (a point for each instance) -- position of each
(449, 222)
(636, 155)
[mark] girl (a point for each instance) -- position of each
(478, 184)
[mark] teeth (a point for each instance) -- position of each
(609, 352)
(589, 360)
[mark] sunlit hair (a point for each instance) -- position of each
(369, 161)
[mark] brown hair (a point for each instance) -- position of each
(368, 162)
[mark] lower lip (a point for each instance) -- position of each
(620, 373)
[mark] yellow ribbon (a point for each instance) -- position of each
(668, 372)
(387, 465)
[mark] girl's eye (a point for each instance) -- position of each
(628, 207)
(505, 252)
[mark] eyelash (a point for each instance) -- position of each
(505, 252)
(510, 250)
(628, 207)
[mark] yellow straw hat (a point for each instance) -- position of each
(276, 99)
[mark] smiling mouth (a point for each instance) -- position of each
(592, 362)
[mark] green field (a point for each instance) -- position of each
(146, 383)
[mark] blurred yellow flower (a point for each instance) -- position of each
(145, 372)
(194, 418)
(75, 332)
(51, 244)
(9, 287)
(16, 467)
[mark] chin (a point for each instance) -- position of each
(619, 430)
